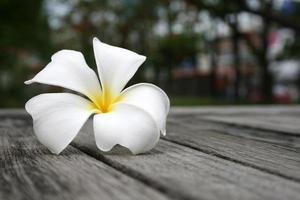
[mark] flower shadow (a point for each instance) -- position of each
(119, 150)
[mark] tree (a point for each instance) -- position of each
(222, 9)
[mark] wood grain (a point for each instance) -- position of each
(191, 174)
(276, 159)
(266, 136)
(209, 153)
(231, 110)
(29, 171)
(277, 123)
(275, 118)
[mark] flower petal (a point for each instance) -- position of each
(68, 69)
(58, 117)
(116, 65)
(150, 98)
(128, 126)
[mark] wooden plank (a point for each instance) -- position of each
(192, 174)
(29, 171)
(267, 136)
(12, 112)
(229, 110)
(271, 158)
(278, 123)
(280, 119)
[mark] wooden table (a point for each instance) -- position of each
(208, 153)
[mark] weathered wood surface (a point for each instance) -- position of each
(281, 123)
(268, 136)
(229, 110)
(283, 161)
(208, 153)
(277, 119)
(30, 171)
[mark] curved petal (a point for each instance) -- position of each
(128, 126)
(58, 117)
(150, 98)
(115, 65)
(68, 69)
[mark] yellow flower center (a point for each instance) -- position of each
(104, 103)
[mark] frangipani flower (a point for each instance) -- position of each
(133, 118)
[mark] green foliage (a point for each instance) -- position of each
(178, 46)
(22, 24)
(24, 32)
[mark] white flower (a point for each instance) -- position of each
(133, 118)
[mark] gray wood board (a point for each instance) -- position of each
(278, 123)
(192, 174)
(276, 159)
(29, 171)
(229, 110)
(268, 136)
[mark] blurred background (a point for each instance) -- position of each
(201, 52)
